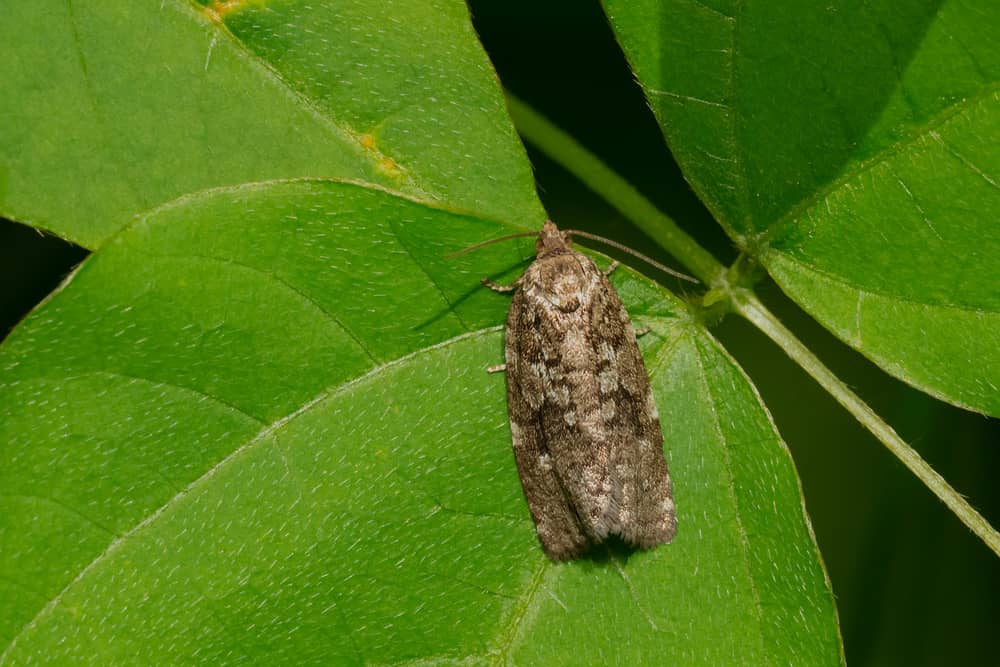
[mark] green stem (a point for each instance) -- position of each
(617, 191)
(601, 179)
(752, 309)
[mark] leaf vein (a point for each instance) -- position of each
(165, 383)
(118, 542)
(348, 135)
(832, 277)
(964, 160)
(508, 633)
(430, 278)
(741, 529)
(928, 129)
(688, 98)
(291, 287)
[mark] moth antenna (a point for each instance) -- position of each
(466, 251)
(634, 253)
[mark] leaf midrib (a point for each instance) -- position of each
(882, 294)
(741, 530)
(915, 134)
(198, 14)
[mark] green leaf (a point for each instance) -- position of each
(844, 146)
(257, 426)
(110, 109)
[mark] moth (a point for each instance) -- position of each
(585, 427)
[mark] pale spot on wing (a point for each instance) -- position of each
(564, 283)
(559, 395)
(575, 339)
(515, 431)
(651, 406)
(608, 379)
(608, 410)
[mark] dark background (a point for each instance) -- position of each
(913, 585)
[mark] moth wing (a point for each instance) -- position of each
(561, 361)
(556, 521)
(642, 511)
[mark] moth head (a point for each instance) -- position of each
(551, 241)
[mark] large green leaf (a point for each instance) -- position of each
(850, 147)
(257, 426)
(110, 108)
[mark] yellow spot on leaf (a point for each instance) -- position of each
(389, 166)
(383, 164)
(218, 11)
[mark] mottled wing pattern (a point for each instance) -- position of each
(642, 510)
(571, 417)
(586, 434)
(555, 519)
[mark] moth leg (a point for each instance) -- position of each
(499, 368)
(643, 331)
(498, 288)
(614, 265)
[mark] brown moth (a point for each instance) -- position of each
(585, 427)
